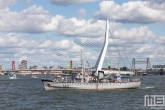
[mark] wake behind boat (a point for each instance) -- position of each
(98, 80)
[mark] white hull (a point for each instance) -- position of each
(12, 77)
(48, 85)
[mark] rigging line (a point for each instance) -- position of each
(117, 48)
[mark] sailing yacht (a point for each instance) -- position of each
(98, 80)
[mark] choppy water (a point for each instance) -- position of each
(26, 93)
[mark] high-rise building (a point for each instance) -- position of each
(23, 65)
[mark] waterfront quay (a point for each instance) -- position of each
(45, 71)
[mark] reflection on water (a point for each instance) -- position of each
(26, 92)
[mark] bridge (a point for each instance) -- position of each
(141, 62)
(45, 71)
(60, 71)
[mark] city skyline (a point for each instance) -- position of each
(51, 33)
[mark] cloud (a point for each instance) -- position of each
(37, 20)
(70, 2)
(13, 40)
(29, 1)
(17, 47)
(83, 27)
(132, 43)
(81, 13)
(155, 4)
(6, 3)
(31, 20)
(131, 12)
(79, 34)
(136, 35)
(85, 34)
(160, 40)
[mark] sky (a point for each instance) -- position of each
(53, 32)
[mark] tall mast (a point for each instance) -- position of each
(119, 63)
(82, 62)
(101, 57)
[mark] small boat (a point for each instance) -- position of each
(161, 71)
(34, 76)
(12, 75)
(144, 74)
(2, 73)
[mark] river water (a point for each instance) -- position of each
(26, 93)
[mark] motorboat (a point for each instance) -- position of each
(144, 74)
(12, 75)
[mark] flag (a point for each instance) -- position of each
(69, 64)
(109, 63)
